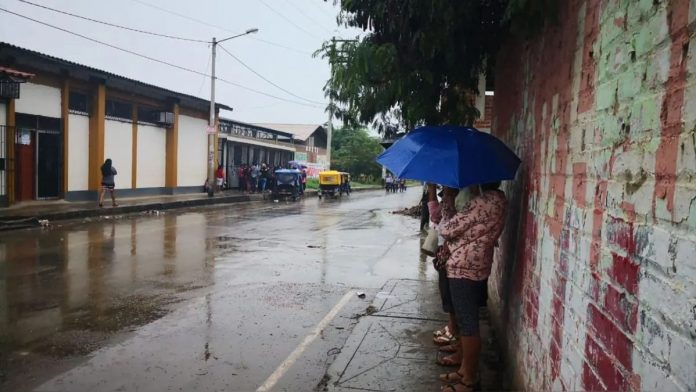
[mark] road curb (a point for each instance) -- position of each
(20, 222)
(26, 221)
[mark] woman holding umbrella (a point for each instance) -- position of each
(471, 236)
(458, 158)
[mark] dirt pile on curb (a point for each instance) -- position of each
(413, 212)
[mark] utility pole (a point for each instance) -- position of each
(212, 127)
(329, 135)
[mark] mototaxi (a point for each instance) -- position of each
(330, 183)
(286, 183)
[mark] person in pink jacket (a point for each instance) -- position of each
(470, 239)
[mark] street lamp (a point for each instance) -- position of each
(211, 120)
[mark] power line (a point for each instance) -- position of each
(281, 46)
(299, 10)
(321, 9)
(204, 23)
(287, 19)
(200, 88)
(184, 16)
(156, 60)
(112, 24)
(265, 79)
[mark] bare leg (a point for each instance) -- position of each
(113, 198)
(101, 196)
(471, 350)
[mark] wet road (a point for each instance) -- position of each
(204, 299)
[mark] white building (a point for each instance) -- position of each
(60, 120)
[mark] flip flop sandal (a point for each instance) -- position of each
(441, 332)
(450, 348)
(468, 387)
(447, 377)
(444, 340)
(446, 360)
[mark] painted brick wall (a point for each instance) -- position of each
(594, 286)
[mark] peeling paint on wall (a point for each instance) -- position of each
(596, 280)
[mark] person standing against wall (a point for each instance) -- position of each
(108, 172)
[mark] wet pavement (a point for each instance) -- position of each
(211, 298)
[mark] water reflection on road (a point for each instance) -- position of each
(67, 290)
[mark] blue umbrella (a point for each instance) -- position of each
(453, 156)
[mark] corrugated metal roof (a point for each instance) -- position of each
(15, 73)
(258, 126)
(114, 80)
(301, 131)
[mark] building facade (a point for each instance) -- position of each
(248, 144)
(68, 118)
(310, 141)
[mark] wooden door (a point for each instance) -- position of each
(25, 162)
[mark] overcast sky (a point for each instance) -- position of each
(294, 28)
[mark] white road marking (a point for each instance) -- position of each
(295, 355)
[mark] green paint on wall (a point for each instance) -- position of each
(606, 93)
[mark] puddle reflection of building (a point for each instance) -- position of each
(169, 244)
(31, 281)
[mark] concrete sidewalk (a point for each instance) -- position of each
(392, 349)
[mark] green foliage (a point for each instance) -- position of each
(528, 17)
(354, 151)
(419, 61)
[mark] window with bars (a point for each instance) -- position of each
(119, 110)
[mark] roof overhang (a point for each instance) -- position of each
(14, 56)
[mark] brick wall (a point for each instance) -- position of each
(594, 285)
(484, 122)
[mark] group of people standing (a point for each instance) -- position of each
(464, 227)
(393, 184)
(254, 178)
(258, 178)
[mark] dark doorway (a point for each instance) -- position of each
(48, 165)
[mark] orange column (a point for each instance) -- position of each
(10, 151)
(172, 161)
(65, 114)
(96, 136)
(134, 150)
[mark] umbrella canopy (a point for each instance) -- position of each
(297, 164)
(453, 156)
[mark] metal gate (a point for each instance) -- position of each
(4, 164)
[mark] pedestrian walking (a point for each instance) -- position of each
(389, 182)
(108, 172)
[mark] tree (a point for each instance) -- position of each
(354, 151)
(419, 61)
